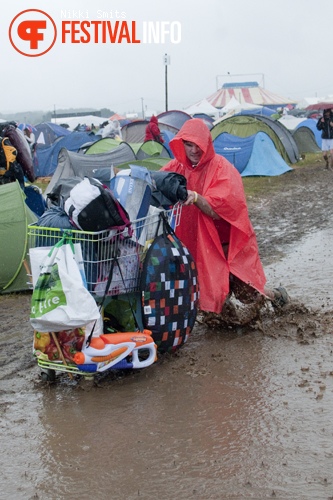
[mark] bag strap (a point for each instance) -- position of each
(114, 261)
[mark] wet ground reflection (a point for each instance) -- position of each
(231, 416)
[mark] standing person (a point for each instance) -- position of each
(215, 224)
(153, 132)
(30, 137)
(325, 124)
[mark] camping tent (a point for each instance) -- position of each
(252, 155)
(135, 132)
(284, 135)
(249, 92)
(71, 164)
(305, 140)
(202, 107)
(15, 217)
(102, 146)
(172, 120)
(292, 123)
(246, 125)
(46, 157)
(47, 133)
(86, 120)
(142, 150)
(152, 149)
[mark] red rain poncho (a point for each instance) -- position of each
(221, 185)
(153, 132)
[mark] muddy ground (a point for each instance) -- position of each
(238, 412)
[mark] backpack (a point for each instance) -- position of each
(91, 206)
(10, 169)
(170, 290)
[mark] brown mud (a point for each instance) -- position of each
(238, 412)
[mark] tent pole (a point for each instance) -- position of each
(166, 87)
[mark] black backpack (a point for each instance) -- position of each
(91, 206)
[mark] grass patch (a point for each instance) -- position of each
(254, 186)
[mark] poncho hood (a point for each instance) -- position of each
(196, 131)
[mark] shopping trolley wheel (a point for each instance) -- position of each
(48, 375)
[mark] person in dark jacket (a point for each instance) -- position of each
(153, 132)
(325, 124)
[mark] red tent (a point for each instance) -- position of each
(117, 117)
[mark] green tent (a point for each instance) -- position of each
(246, 125)
(141, 150)
(153, 163)
(102, 146)
(15, 217)
(152, 149)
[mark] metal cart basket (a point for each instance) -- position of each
(119, 253)
(101, 249)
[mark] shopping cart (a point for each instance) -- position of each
(115, 254)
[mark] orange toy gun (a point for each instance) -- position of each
(144, 346)
(111, 349)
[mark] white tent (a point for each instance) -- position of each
(308, 101)
(202, 107)
(290, 121)
(74, 121)
(233, 107)
(236, 106)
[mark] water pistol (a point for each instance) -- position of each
(128, 350)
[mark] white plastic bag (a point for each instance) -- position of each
(60, 299)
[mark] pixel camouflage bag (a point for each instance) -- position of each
(170, 290)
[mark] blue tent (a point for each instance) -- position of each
(47, 133)
(174, 119)
(167, 136)
(252, 155)
(46, 157)
(263, 110)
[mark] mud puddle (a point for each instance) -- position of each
(234, 414)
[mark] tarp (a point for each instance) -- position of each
(15, 217)
(252, 155)
(249, 92)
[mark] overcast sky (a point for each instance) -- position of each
(286, 46)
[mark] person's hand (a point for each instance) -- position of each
(192, 197)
